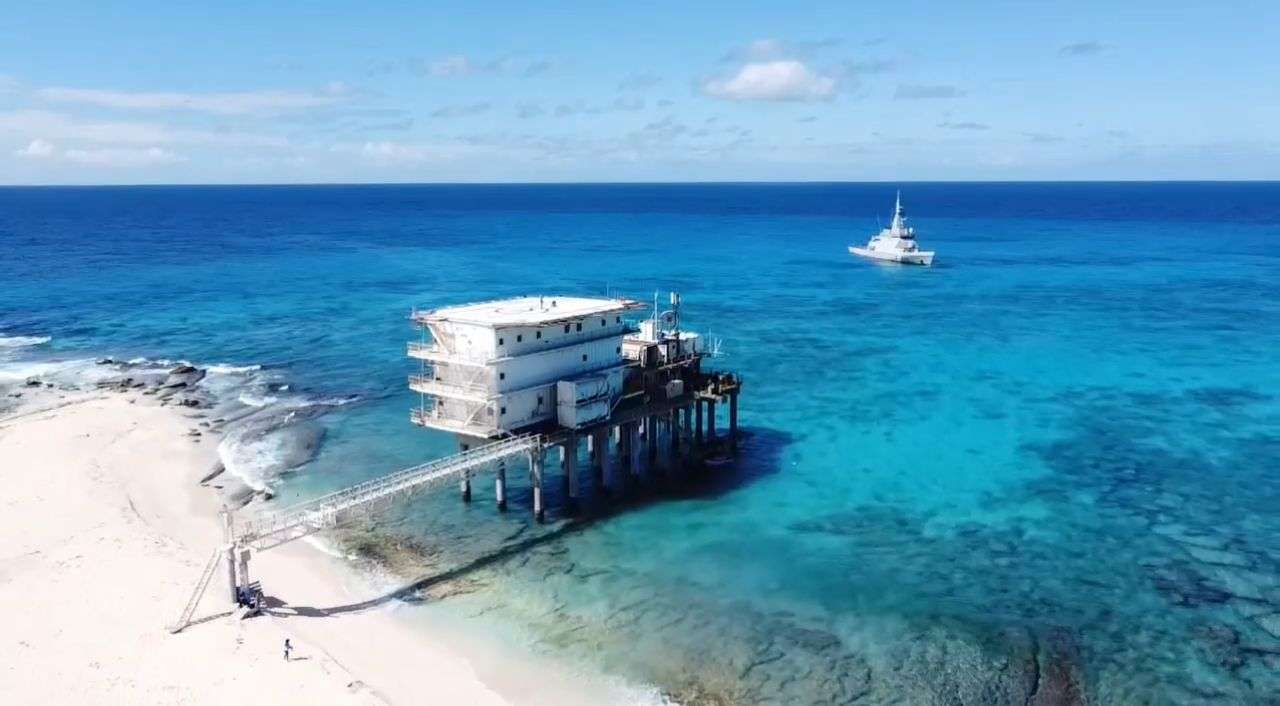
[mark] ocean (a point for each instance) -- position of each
(1053, 458)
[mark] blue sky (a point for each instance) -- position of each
(179, 92)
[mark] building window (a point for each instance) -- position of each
(519, 337)
(579, 325)
(502, 376)
(604, 322)
(566, 328)
(539, 399)
(539, 334)
(502, 411)
(617, 319)
(500, 341)
(584, 357)
(619, 350)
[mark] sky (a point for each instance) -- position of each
(304, 92)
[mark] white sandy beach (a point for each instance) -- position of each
(105, 530)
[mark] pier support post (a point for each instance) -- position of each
(606, 465)
(597, 445)
(635, 448)
(688, 434)
(231, 574)
(673, 428)
(624, 446)
(570, 463)
(711, 422)
(697, 429)
(733, 422)
(535, 477)
(244, 568)
(464, 485)
(500, 485)
(228, 530)
(651, 442)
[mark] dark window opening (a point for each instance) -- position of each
(500, 341)
(539, 334)
(566, 328)
(617, 319)
(502, 376)
(539, 399)
(519, 337)
(579, 326)
(604, 322)
(502, 411)
(584, 357)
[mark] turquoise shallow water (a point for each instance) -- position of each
(1050, 458)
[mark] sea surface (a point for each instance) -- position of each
(1049, 465)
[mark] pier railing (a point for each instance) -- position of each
(331, 510)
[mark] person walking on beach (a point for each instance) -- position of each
(287, 649)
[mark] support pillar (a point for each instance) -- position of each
(711, 422)
(244, 568)
(570, 461)
(228, 529)
(673, 428)
(733, 422)
(231, 573)
(697, 428)
(597, 445)
(606, 465)
(624, 446)
(535, 477)
(651, 442)
(464, 485)
(636, 448)
(688, 434)
(500, 485)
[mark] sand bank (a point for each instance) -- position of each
(104, 532)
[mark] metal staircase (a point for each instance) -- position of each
(185, 619)
(338, 507)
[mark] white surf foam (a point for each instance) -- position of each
(23, 341)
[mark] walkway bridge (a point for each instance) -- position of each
(343, 506)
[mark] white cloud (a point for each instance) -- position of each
(456, 65)
(122, 156)
(233, 103)
(37, 148)
(781, 80)
(57, 126)
(386, 152)
(926, 92)
(99, 157)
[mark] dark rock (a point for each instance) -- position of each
(1061, 677)
(1220, 645)
(184, 370)
(214, 472)
(33, 382)
(106, 361)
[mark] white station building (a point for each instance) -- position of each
(498, 367)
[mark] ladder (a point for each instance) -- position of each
(185, 619)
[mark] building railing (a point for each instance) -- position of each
(428, 385)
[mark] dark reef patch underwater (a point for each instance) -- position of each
(1045, 471)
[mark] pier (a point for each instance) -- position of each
(531, 380)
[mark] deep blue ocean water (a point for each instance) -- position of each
(1062, 439)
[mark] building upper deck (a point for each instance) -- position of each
(526, 311)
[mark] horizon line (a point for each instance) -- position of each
(216, 184)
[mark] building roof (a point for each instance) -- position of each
(527, 311)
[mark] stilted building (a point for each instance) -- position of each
(569, 369)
